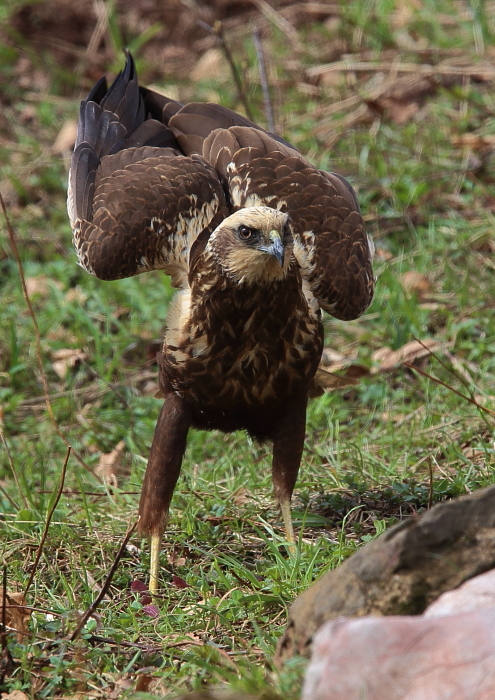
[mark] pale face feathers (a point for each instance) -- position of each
(253, 245)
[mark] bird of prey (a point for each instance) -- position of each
(257, 241)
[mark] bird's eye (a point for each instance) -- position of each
(246, 233)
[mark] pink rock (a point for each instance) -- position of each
(478, 592)
(404, 658)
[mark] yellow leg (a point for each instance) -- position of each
(156, 541)
(289, 527)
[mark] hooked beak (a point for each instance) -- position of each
(276, 248)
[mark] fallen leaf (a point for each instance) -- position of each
(212, 63)
(388, 359)
(179, 582)
(109, 463)
(414, 282)
(14, 695)
(356, 371)
(327, 381)
(151, 610)
(175, 559)
(143, 683)
(398, 111)
(17, 616)
(40, 286)
(330, 356)
(138, 586)
(152, 388)
(65, 359)
(121, 685)
(474, 141)
(383, 253)
(76, 294)
(241, 496)
(474, 453)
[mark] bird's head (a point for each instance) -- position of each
(253, 245)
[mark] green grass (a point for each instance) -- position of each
(375, 453)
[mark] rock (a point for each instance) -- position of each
(402, 571)
(404, 658)
(478, 592)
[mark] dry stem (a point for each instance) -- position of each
(106, 585)
(48, 521)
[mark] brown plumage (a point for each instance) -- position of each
(256, 239)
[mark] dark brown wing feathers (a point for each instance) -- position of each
(131, 166)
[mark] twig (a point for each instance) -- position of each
(92, 608)
(447, 386)
(47, 524)
(430, 486)
(264, 82)
(132, 645)
(7, 661)
(279, 21)
(14, 474)
(39, 355)
(455, 373)
(420, 70)
(72, 492)
(217, 30)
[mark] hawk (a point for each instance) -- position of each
(257, 241)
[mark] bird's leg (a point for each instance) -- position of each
(162, 472)
(288, 445)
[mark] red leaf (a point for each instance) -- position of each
(138, 586)
(151, 610)
(179, 582)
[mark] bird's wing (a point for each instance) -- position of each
(195, 121)
(331, 244)
(135, 202)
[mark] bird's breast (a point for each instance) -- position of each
(233, 351)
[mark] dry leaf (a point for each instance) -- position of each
(76, 294)
(474, 141)
(176, 559)
(17, 616)
(472, 452)
(143, 683)
(109, 464)
(152, 388)
(383, 254)
(415, 282)
(65, 359)
(14, 695)
(66, 137)
(40, 286)
(399, 111)
(241, 496)
(121, 685)
(212, 64)
(327, 381)
(332, 357)
(388, 359)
